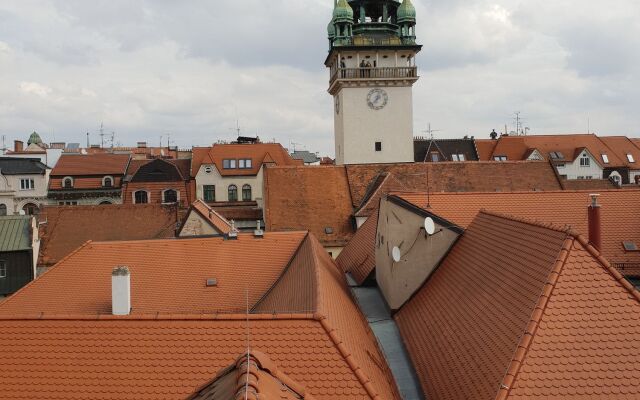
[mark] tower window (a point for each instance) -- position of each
(378, 146)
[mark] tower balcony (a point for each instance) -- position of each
(371, 73)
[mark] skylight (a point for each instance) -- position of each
(630, 246)
(630, 158)
(605, 159)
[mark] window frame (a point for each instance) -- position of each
(135, 196)
(4, 210)
(605, 158)
(3, 269)
(630, 158)
(500, 158)
(30, 184)
(245, 163)
(378, 146)
(457, 157)
(104, 180)
(585, 161)
(232, 189)
(164, 196)
(229, 163)
(64, 182)
(246, 188)
(212, 189)
(435, 157)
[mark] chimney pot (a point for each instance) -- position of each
(18, 146)
(595, 227)
(121, 291)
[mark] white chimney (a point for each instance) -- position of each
(258, 232)
(121, 291)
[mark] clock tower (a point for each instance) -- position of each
(372, 49)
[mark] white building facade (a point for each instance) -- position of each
(23, 185)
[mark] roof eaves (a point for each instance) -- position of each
(534, 322)
(399, 201)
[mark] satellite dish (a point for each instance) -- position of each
(395, 254)
(429, 226)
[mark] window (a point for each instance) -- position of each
(105, 203)
(3, 210)
(585, 161)
(228, 164)
(233, 193)
(500, 158)
(457, 157)
(588, 177)
(580, 177)
(170, 196)
(630, 158)
(208, 169)
(435, 157)
(560, 165)
(246, 193)
(378, 146)
(209, 192)
(27, 184)
(141, 197)
(67, 182)
(245, 163)
(3, 269)
(31, 209)
(107, 182)
(630, 246)
(605, 159)
(556, 155)
(68, 203)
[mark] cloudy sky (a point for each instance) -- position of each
(149, 68)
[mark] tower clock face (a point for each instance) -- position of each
(377, 99)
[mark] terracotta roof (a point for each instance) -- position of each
(259, 153)
(311, 197)
(91, 164)
(85, 183)
(182, 165)
(562, 207)
(217, 221)
(67, 228)
(167, 275)
(253, 376)
(621, 146)
(383, 184)
(579, 316)
(457, 176)
(316, 198)
(168, 354)
(485, 148)
(358, 256)
(517, 147)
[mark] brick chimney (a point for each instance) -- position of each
(595, 228)
(18, 145)
(121, 291)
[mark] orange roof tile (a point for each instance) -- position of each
(621, 146)
(331, 352)
(67, 228)
(383, 184)
(217, 221)
(259, 153)
(518, 147)
(85, 182)
(580, 318)
(561, 207)
(252, 376)
(485, 147)
(314, 197)
(167, 275)
(91, 164)
(358, 256)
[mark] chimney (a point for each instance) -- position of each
(595, 230)
(233, 233)
(258, 232)
(121, 291)
(18, 146)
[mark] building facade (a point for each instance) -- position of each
(157, 182)
(372, 49)
(19, 247)
(23, 185)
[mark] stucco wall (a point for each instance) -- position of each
(222, 184)
(400, 227)
(195, 225)
(14, 198)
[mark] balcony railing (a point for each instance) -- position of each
(375, 73)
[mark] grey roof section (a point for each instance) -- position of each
(15, 233)
(446, 148)
(20, 166)
(384, 328)
(306, 156)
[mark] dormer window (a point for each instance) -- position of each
(244, 163)
(229, 164)
(67, 182)
(630, 158)
(435, 157)
(585, 161)
(457, 157)
(500, 158)
(605, 159)
(107, 182)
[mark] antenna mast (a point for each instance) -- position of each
(101, 135)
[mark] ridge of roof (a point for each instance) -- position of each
(401, 192)
(533, 222)
(534, 321)
(159, 316)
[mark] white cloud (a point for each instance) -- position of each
(35, 88)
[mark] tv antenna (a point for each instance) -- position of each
(430, 131)
(293, 145)
(520, 129)
(101, 135)
(237, 128)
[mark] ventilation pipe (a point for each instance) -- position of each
(121, 291)
(595, 228)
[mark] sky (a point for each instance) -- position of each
(189, 71)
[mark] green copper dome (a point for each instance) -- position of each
(34, 139)
(406, 11)
(331, 30)
(343, 11)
